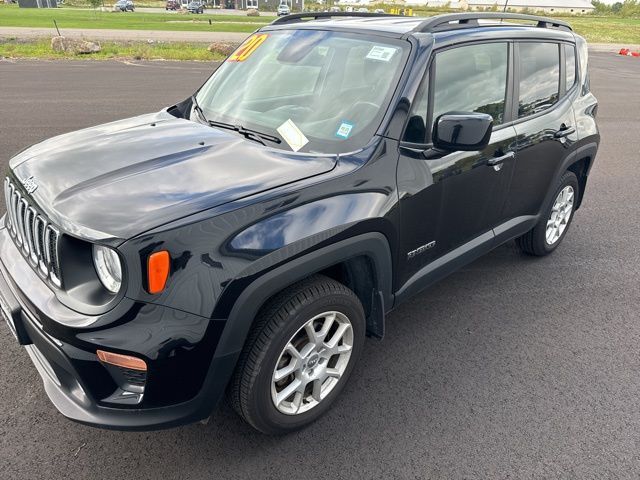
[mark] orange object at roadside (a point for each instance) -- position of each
(628, 53)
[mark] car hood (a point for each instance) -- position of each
(123, 178)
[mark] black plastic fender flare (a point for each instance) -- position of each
(587, 150)
(373, 245)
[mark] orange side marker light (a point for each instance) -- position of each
(157, 271)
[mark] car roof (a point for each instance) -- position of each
(391, 24)
(487, 24)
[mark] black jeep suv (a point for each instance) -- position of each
(247, 239)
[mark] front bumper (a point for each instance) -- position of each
(63, 387)
(185, 379)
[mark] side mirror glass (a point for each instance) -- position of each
(467, 131)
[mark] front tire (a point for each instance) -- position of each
(299, 355)
(554, 223)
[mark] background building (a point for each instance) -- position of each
(266, 5)
(547, 6)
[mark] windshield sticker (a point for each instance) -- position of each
(248, 47)
(292, 135)
(344, 130)
(381, 53)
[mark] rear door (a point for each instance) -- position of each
(545, 121)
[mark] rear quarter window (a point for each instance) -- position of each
(570, 65)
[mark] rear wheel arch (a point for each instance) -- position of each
(580, 159)
(581, 169)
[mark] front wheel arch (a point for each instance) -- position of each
(373, 245)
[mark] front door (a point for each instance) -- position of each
(455, 199)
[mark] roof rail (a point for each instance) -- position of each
(295, 17)
(443, 22)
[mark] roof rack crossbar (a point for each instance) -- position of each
(296, 17)
(443, 22)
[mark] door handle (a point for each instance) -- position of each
(565, 130)
(493, 161)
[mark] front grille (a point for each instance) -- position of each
(33, 234)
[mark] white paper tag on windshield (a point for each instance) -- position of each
(381, 53)
(292, 135)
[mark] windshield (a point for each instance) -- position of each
(318, 91)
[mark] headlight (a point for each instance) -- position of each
(108, 266)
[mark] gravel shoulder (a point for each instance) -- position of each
(134, 35)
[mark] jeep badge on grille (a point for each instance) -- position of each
(30, 184)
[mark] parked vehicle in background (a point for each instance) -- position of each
(195, 7)
(124, 6)
(379, 10)
(362, 10)
(245, 240)
(334, 9)
(283, 9)
(172, 5)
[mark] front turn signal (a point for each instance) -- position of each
(157, 271)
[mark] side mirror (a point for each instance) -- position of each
(467, 131)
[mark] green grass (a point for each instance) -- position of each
(605, 29)
(41, 49)
(12, 16)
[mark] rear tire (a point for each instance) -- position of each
(298, 356)
(554, 223)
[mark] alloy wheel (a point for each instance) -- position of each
(312, 363)
(560, 215)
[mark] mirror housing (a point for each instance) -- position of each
(466, 131)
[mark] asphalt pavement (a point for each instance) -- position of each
(513, 367)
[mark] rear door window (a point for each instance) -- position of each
(539, 66)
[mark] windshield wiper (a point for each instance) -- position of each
(248, 133)
(197, 108)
